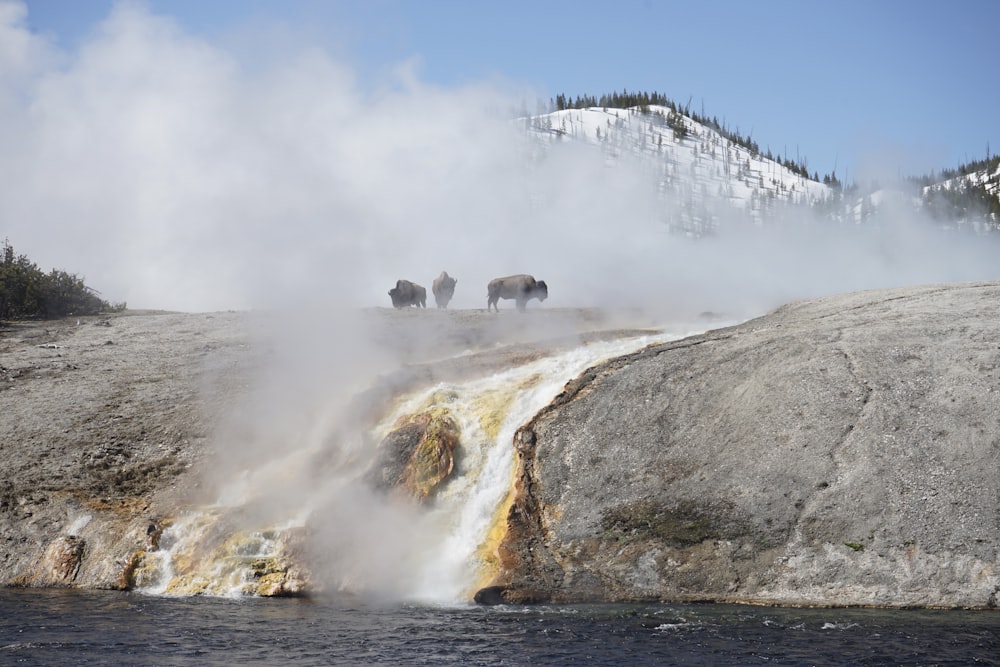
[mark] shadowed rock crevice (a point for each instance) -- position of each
(684, 525)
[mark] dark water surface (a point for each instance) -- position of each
(49, 627)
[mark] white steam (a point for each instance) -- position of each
(171, 174)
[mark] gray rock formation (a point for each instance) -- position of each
(840, 451)
(102, 421)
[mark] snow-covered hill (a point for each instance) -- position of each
(988, 177)
(700, 174)
(703, 177)
(971, 198)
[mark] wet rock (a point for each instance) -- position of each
(284, 574)
(135, 572)
(59, 565)
(279, 579)
(62, 559)
(491, 595)
(418, 455)
(494, 595)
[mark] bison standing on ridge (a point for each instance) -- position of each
(521, 288)
(406, 294)
(443, 288)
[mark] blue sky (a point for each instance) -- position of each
(868, 88)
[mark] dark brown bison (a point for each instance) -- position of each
(406, 294)
(521, 288)
(443, 288)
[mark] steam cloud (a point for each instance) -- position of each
(172, 175)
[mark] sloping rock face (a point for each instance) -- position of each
(102, 422)
(840, 451)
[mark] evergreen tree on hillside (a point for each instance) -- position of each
(951, 195)
(643, 101)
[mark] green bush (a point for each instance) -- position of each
(27, 293)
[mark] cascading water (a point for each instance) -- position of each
(438, 552)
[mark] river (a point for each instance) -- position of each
(67, 627)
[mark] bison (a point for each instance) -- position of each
(406, 294)
(443, 288)
(521, 288)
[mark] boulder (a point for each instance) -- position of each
(418, 455)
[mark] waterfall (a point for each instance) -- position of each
(439, 552)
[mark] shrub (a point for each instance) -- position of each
(26, 292)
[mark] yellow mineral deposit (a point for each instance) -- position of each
(433, 459)
(489, 563)
(493, 405)
(196, 556)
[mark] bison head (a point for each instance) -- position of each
(541, 291)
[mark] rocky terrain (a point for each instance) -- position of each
(840, 451)
(104, 420)
(111, 425)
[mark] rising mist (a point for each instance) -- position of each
(172, 175)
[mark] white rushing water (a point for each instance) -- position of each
(435, 553)
(468, 506)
